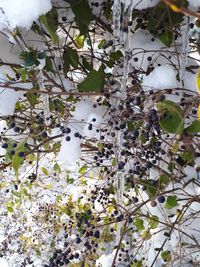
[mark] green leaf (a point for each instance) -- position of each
(45, 171)
(166, 37)
(187, 156)
(69, 179)
(193, 128)
(100, 146)
(94, 82)
(82, 14)
(130, 125)
(83, 28)
(10, 209)
(86, 64)
(139, 224)
(70, 57)
(164, 179)
(171, 202)
(171, 119)
(146, 235)
(137, 264)
(38, 252)
(56, 147)
(32, 98)
(49, 65)
(57, 168)
(83, 169)
(114, 162)
(169, 105)
(150, 189)
(81, 11)
(59, 106)
(23, 73)
(50, 21)
(42, 55)
(153, 221)
(30, 58)
(16, 160)
(8, 157)
(166, 256)
(102, 43)
(114, 58)
(171, 166)
(79, 40)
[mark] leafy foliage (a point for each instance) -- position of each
(94, 81)
(93, 161)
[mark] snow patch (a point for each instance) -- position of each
(163, 77)
(142, 4)
(105, 260)
(194, 4)
(21, 13)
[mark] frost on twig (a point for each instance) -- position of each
(184, 46)
(127, 15)
(116, 19)
(45, 97)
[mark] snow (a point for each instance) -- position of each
(3, 126)
(105, 260)
(70, 151)
(162, 77)
(95, 125)
(82, 110)
(9, 97)
(142, 47)
(142, 4)
(189, 80)
(194, 4)
(3, 263)
(83, 115)
(21, 13)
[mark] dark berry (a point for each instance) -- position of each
(67, 130)
(44, 134)
(21, 154)
(12, 125)
(76, 135)
(161, 199)
(68, 138)
(16, 129)
(90, 127)
(5, 145)
(96, 234)
(191, 25)
(12, 152)
(111, 82)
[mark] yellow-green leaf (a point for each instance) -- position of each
(45, 171)
(83, 169)
(198, 113)
(139, 224)
(198, 81)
